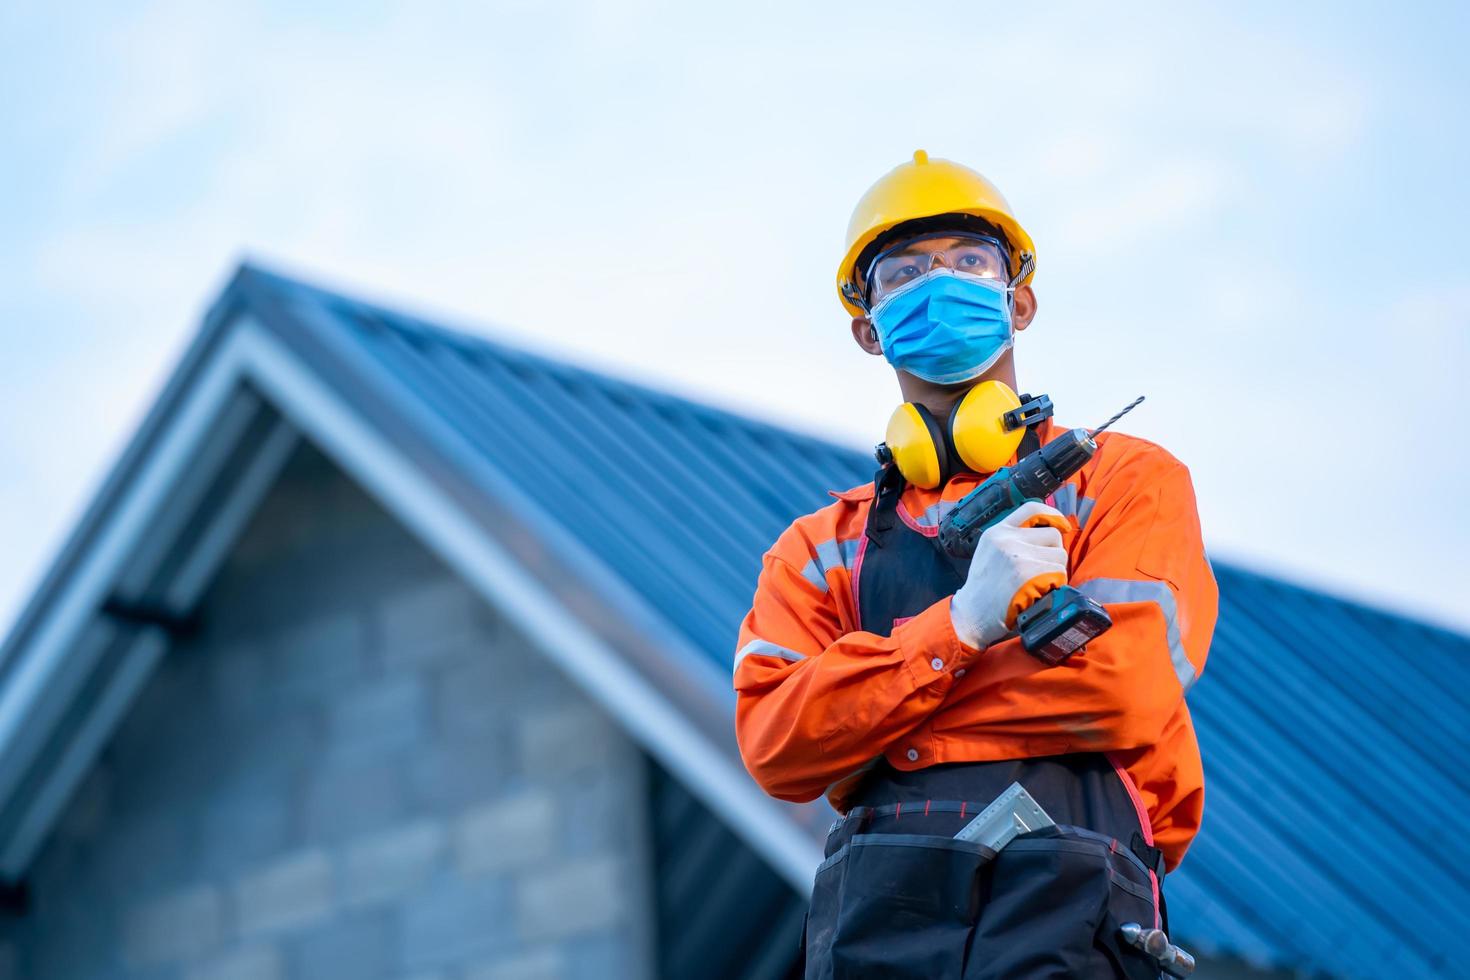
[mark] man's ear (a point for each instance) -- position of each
(1025, 308)
(865, 335)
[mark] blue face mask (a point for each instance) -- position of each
(945, 327)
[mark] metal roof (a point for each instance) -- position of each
(1335, 830)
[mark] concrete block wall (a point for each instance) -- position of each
(357, 769)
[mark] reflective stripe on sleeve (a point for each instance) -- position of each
(1070, 504)
(934, 514)
(832, 553)
(1107, 590)
(766, 648)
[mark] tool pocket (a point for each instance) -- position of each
(821, 916)
(896, 905)
(1056, 900)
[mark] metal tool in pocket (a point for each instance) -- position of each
(1012, 813)
(1154, 944)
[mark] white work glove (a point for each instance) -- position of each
(1016, 562)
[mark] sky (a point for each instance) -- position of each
(1252, 213)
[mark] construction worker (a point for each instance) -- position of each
(874, 669)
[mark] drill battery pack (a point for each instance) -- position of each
(1059, 624)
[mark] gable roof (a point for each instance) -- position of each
(622, 528)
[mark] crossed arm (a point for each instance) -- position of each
(815, 702)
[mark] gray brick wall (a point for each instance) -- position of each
(356, 770)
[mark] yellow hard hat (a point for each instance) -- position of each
(928, 188)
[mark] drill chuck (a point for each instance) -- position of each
(1065, 455)
(1040, 474)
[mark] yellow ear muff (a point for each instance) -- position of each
(915, 452)
(978, 429)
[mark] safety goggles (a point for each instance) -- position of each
(974, 255)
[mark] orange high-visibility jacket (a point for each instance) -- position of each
(818, 698)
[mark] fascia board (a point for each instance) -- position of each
(44, 667)
(187, 583)
(78, 549)
(81, 751)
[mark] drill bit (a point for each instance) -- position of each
(1130, 407)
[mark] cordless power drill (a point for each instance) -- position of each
(1061, 622)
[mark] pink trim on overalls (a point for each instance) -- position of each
(907, 518)
(857, 571)
(1144, 823)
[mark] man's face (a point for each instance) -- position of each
(905, 261)
(901, 264)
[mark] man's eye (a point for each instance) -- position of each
(970, 261)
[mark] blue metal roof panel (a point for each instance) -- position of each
(1332, 733)
(664, 488)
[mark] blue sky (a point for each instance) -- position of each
(1252, 213)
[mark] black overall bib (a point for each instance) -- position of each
(899, 896)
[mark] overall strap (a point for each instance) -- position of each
(888, 484)
(1030, 442)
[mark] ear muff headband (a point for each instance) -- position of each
(924, 451)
